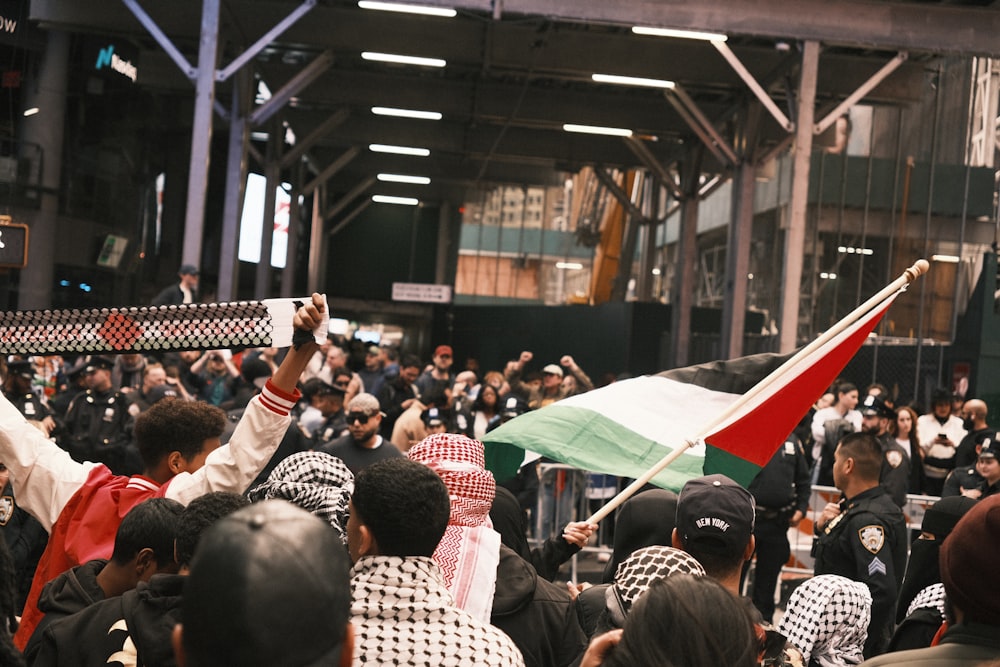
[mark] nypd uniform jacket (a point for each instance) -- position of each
(968, 479)
(29, 405)
(98, 427)
(866, 542)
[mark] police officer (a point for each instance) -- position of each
(895, 474)
(329, 400)
(17, 389)
(979, 481)
(781, 491)
(864, 536)
(98, 426)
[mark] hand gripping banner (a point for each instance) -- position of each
(196, 326)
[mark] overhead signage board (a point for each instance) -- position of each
(421, 292)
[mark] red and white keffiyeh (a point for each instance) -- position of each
(469, 552)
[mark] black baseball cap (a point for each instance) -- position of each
(717, 514)
(875, 406)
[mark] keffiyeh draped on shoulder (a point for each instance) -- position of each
(469, 552)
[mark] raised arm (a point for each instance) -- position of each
(234, 466)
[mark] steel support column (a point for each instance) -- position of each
(795, 235)
(734, 304)
(686, 259)
(201, 133)
(272, 173)
(316, 280)
(236, 175)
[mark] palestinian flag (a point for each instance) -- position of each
(627, 427)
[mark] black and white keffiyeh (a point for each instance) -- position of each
(315, 481)
(644, 566)
(932, 597)
(827, 620)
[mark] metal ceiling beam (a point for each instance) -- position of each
(706, 124)
(616, 191)
(638, 146)
(351, 195)
(330, 170)
(310, 140)
(754, 86)
(264, 40)
(859, 94)
(291, 88)
(913, 26)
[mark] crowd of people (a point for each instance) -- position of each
(311, 506)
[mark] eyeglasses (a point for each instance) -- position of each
(359, 417)
(342, 385)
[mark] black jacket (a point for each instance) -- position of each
(537, 614)
(133, 629)
(70, 592)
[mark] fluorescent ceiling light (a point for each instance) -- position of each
(408, 9)
(828, 276)
(406, 113)
(386, 199)
(947, 259)
(847, 250)
(399, 150)
(571, 266)
(596, 129)
(632, 81)
(30, 112)
(403, 60)
(403, 178)
(680, 34)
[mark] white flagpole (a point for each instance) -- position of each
(919, 268)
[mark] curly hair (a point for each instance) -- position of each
(176, 425)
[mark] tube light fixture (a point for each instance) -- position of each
(402, 60)
(446, 12)
(632, 81)
(31, 112)
(399, 150)
(386, 199)
(403, 178)
(570, 266)
(680, 34)
(947, 259)
(597, 129)
(848, 250)
(406, 113)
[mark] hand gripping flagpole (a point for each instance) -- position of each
(201, 326)
(899, 284)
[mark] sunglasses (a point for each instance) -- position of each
(359, 417)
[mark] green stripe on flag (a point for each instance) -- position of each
(735, 468)
(590, 441)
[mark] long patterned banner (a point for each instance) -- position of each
(200, 326)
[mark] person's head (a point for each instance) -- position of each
(20, 373)
(495, 379)
(569, 384)
(906, 420)
(315, 481)
(175, 436)
(827, 620)
(988, 465)
(200, 514)
(877, 389)
(826, 400)
(857, 463)
(876, 415)
(188, 274)
(646, 519)
(255, 372)
(326, 398)
(715, 521)
(637, 573)
(974, 414)
(269, 585)
(941, 403)
(373, 358)
(435, 420)
(460, 461)
(409, 369)
(443, 358)
(363, 417)
(967, 554)
(552, 377)
(399, 508)
(341, 378)
(847, 395)
(336, 357)
(487, 399)
(153, 375)
(98, 373)
(216, 364)
(145, 538)
(687, 621)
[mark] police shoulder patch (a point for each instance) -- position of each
(872, 537)
(894, 458)
(6, 509)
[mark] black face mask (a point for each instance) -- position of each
(969, 424)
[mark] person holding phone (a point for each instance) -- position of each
(939, 433)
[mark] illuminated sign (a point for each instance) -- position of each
(107, 57)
